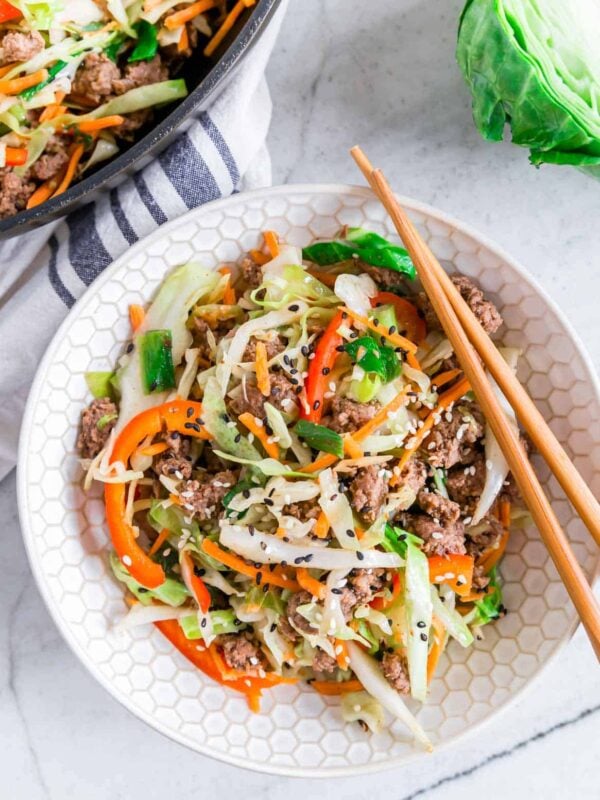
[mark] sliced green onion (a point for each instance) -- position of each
(156, 355)
(320, 438)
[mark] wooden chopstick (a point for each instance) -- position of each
(550, 530)
(530, 418)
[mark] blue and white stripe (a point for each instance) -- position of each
(198, 167)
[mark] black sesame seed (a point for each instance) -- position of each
(153, 386)
(189, 412)
(238, 438)
(130, 347)
(350, 533)
(192, 426)
(360, 555)
(273, 627)
(284, 563)
(199, 421)
(316, 405)
(272, 492)
(265, 588)
(344, 315)
(285, 538)
(298, 390)
(271, 567)
(293, 371)
(308, 557)
(294, 381)
(299, 560)
(225, 417)
(392, 329)
(340, 348)
(294, 307)
(326, 370)
(258, 578)
(423, 637)
(263, 545)
(421, 624)
(375, 321)
(286, 360)
(237, 621)
(335, 590)
(203, 623)
(268, 502)
(142, 590)
(304, 350)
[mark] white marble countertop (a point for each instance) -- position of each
(341, 75)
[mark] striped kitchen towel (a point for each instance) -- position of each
(44, 272)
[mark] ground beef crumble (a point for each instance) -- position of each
(323, 662)
(395, 671)
(92, 439)
(347, 415)
(203, 497)
(485, 311)
(241, 652)
(369, 490)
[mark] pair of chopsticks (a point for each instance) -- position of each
(472, 347)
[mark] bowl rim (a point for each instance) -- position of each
(27, 533)
(101, 179)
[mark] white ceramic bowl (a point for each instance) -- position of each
(297, 732)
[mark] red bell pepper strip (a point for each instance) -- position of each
(209, 661)
(459, 567)
(407, 315)
(8, 12)
(317, 380)
(178, 415)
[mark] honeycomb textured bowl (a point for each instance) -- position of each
(297, 732)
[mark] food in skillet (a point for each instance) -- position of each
(299, 483)
(79, 78)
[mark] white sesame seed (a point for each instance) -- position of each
(127, 560)
(356, 707)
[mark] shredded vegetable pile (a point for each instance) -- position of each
(78, 78)
(299, 483)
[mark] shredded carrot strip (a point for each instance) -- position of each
(505, 513)
(259, 257)
(17, 85)
(280, 533)
(45, 191)
(159, 541)
(449, 397)
(310, 584)
(359, 532)
(261, 368)
(70, 171)
(271, 243)
(439, 643)
(250, 422)
(381, 417)
(7, 68)
(275, 577)
(53, 110)
(342, 657)
(377, 327)
(175, 499)
(321, 463)
(413, 361)
(229, 297)
(445, 377)
(154, 449)
(186, 14)
(334, 688)
(91, 125)
(15, 156)
(184, 41)
(351, 447)
(136, 316)
(321, 528)
(227, 25)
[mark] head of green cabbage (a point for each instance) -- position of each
(535, 65)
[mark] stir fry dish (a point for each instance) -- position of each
(80, 78)
(299, 482)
